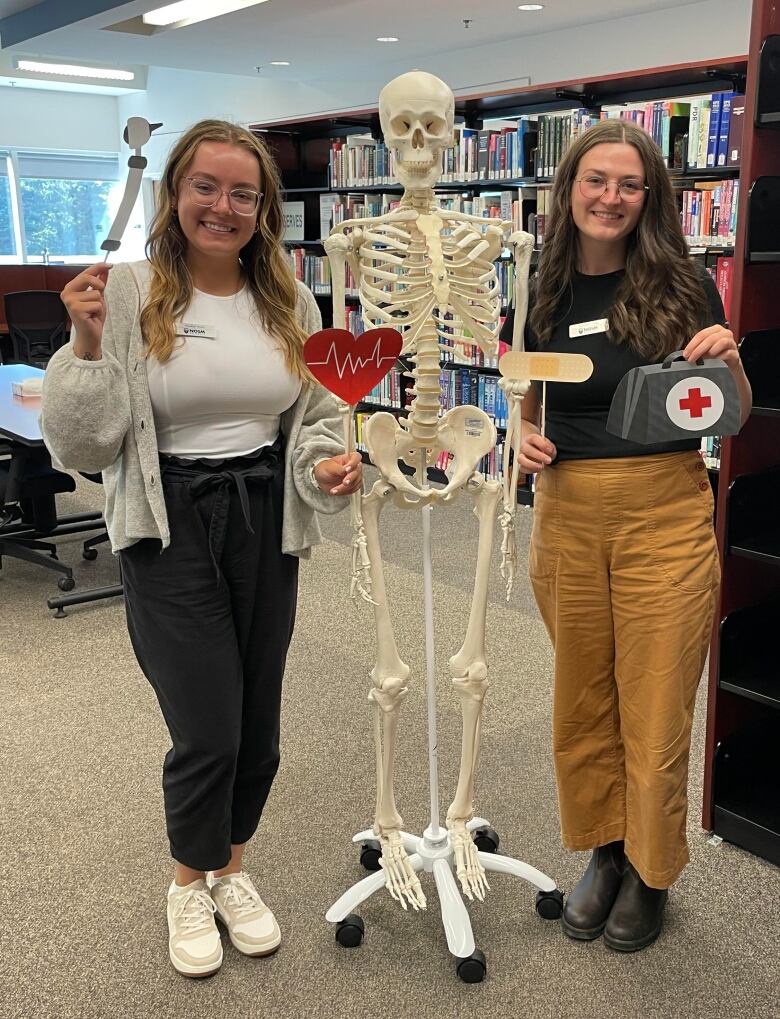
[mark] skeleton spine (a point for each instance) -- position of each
(425, 408)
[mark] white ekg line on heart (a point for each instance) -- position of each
(358, 363)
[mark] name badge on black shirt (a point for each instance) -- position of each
(598, 325)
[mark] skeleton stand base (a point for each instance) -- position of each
(433, 852)
(435, 855)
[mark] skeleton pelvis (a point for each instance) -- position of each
(465, 432)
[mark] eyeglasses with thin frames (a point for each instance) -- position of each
(243, 201)
(592, 186)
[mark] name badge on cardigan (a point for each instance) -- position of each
(598, 325)
(193, 329)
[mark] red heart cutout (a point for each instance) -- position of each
(351, 366)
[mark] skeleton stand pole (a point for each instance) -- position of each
(430, 661)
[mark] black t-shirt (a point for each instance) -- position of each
(576, 413)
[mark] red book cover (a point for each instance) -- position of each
(724, 271)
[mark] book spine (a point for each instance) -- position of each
(714, 129)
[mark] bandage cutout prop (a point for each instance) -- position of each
(137, 133)
(543, 367)
(350, 366)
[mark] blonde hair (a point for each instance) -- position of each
(269, 274)
(660, 302)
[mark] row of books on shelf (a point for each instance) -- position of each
(709, 213)
(458, 386)
(388, 392)
(703, 133)
(313, 270)
(489, 465)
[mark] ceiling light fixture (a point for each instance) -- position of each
(189, 12)
(530, 7)
(386, 38)
(280, 63)
(74, 70)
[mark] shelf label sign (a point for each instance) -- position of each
(293, 220)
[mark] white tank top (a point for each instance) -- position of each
(223, 389)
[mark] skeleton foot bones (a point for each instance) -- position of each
(469, 870)
(400, 879)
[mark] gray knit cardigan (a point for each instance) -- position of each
(97, 417)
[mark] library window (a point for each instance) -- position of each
(61, 206)
(7, 240)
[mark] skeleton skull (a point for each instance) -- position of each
(416, 111)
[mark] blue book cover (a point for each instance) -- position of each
(714, 135)
(722, 152)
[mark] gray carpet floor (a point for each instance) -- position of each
(84, 855)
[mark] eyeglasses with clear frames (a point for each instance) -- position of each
(243, 201)
(594, 186)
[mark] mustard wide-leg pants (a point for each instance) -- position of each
(625, 570)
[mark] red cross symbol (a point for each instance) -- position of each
(695, 403)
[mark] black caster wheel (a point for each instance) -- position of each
(90, 554)
(350, 931)
(473, 968)
(370, 855)
(549, 905)
(486, 840)
(66, 583)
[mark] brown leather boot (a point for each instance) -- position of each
(637, 916)
(590, 901)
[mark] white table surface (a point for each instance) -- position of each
(19, 417)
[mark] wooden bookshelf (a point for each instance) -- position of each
(742, 767)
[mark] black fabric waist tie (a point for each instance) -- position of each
(222, 476)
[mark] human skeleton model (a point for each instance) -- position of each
(426, 270)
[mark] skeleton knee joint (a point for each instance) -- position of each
(389, 694)
(473, 682)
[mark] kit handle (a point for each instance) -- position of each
(678, 355)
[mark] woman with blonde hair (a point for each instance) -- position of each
(623, 559)
(184, 384)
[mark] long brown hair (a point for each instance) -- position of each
(660, 302)
(266, 266)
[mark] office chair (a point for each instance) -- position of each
(61, 602)
(37, 321)
(28, 486)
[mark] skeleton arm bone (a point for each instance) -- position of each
(336, 248)
(522, 246)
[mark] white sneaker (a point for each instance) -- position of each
(194, 944)
(250, 923)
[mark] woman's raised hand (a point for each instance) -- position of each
(86, 304)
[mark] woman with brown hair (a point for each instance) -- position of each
(623, 559)
(184, 384)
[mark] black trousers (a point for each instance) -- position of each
(210, 620)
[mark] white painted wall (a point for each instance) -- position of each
(33, 119)
(697, 31)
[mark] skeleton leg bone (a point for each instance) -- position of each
(469, 678)
(389, 677)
